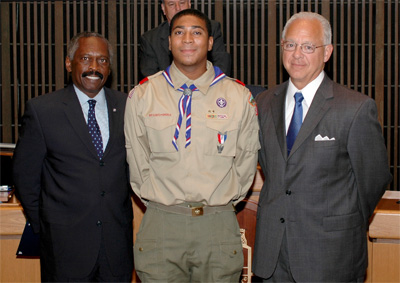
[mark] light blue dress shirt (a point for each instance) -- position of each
(101, 112)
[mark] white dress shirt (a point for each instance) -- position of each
(308, 94)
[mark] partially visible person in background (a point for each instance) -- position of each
(154, 53)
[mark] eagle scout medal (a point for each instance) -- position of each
(221, 140)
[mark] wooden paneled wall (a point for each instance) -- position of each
(34, 35)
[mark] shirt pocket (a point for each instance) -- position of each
(160, 132)
(212, 144)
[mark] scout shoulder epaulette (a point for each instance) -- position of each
(144, 80)
(239, 82)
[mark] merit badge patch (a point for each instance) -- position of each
(221, 102)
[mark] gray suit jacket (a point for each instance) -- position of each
(154, 53)
(324, 193)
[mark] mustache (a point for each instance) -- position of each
(100, 75)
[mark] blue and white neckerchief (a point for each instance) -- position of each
(185, 105)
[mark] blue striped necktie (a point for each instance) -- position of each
(295, 124)
(94, 129)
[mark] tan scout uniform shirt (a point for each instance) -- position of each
(197, 173)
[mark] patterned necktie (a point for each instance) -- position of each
(297, 120)
(185, 106)
(94, 129)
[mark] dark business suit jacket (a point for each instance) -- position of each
(324, 193)
(67, 193)
(154, 53)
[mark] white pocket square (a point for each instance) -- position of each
(320, 138)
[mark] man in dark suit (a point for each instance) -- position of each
(72, 184)
(154, 53)
(322, 184)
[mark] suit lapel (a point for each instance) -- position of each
(73, 111)
(278, 116)
(113, 118)
(319, 106)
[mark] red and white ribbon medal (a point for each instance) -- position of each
(221, 140)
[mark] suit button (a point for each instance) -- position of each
(102, 163)
(98, 223)
(288, 192)
(282, 220)
(103, 193)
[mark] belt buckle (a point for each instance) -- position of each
(197, 211)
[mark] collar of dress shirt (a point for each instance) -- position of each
(308, 92)
(202, 83)
(100, 98)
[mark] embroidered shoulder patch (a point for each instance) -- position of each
(253, 103)
(131, 92)
(251, 100)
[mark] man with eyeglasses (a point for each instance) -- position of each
(325, 166)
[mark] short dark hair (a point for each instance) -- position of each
(191, 12)
(73, 44)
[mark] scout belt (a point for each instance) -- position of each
(192, 210)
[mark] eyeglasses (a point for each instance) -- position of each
(306, 48)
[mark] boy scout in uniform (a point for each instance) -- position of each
(192, 143)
